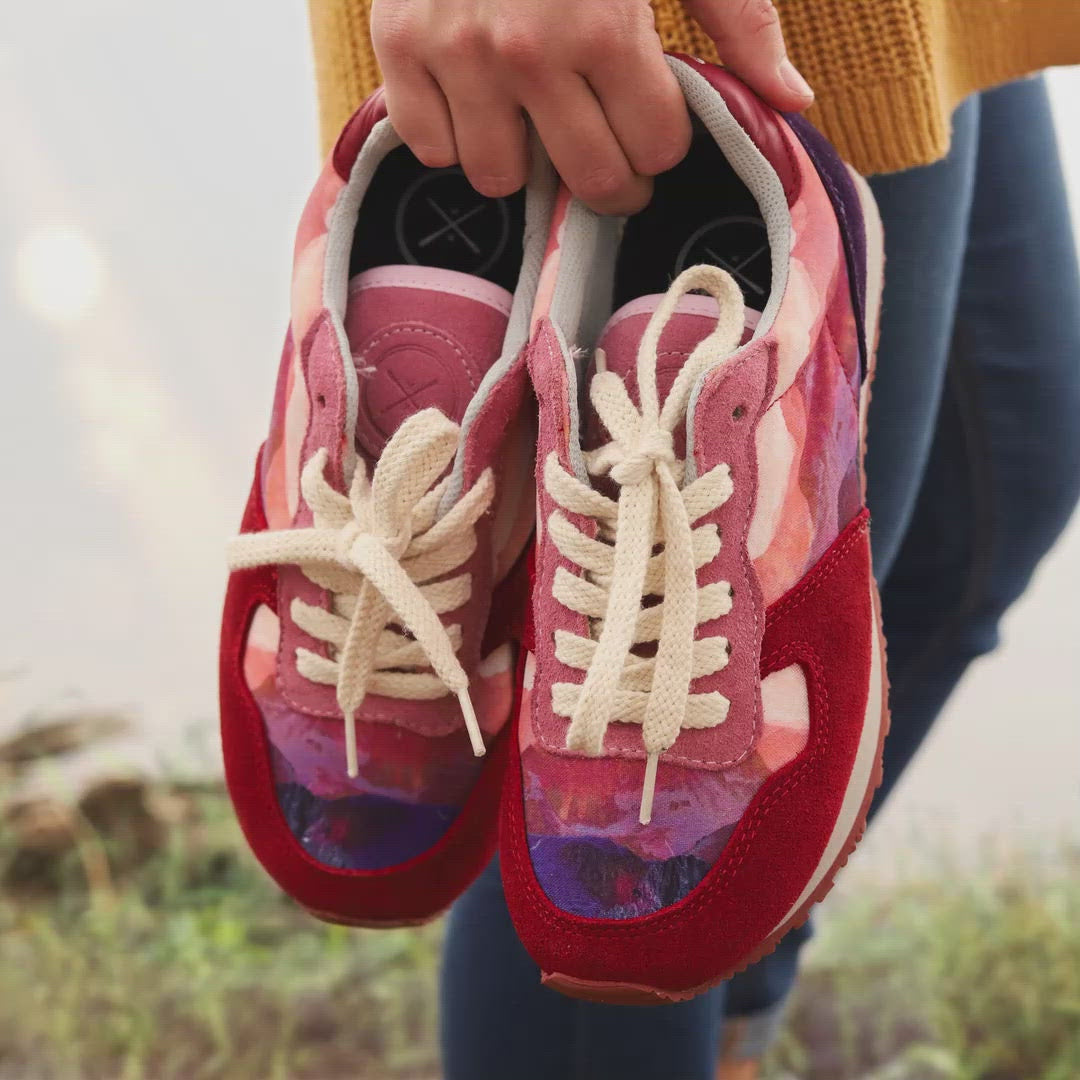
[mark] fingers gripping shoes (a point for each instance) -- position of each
(365, 663)
(702, 707)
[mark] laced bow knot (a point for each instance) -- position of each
(357, 542)
(392, 566)
(653, 449)
(655, 503)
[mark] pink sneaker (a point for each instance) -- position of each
(364, 663)
(703, 704)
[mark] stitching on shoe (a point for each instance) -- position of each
(421, 328)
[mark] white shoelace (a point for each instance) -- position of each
(653, 507)
(383, 553)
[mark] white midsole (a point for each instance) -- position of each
(866, 758)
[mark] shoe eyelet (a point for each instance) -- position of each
(738, 412)
(320, 400)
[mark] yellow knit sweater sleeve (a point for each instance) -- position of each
(887, 73)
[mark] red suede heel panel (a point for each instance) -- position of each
(356, 132)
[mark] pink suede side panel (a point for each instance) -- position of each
(322, 370)
(503, 437)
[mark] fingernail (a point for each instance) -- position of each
(793, 80)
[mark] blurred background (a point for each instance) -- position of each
(155, 160)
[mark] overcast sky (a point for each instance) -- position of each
(155, 158)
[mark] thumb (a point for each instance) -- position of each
(750, 42)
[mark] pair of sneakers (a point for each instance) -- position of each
(595, 587)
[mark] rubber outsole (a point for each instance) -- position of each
(372, 924)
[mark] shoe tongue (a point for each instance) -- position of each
(420, 338)
(694, 319)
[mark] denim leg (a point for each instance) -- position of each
(1004, 471)
(925, 213)
(498, 1022)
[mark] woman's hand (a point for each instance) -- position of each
(461, 74)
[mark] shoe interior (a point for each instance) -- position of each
(701, 212)
(432, 217)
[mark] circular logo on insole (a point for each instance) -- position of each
(739, 245)
(442, 221)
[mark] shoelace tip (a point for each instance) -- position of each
(352, 766)
(648, 790)
(476, 736)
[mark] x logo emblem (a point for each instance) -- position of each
(452, 225)
(407, 395)
(736, 270)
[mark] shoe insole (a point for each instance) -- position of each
(701, 212)
(433, 217)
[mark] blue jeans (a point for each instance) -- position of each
(973, 471)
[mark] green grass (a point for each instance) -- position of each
(195, 967)
(954, 975)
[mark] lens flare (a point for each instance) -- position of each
(59, 274)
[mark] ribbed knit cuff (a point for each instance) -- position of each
(345, 64)
(885, 127)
